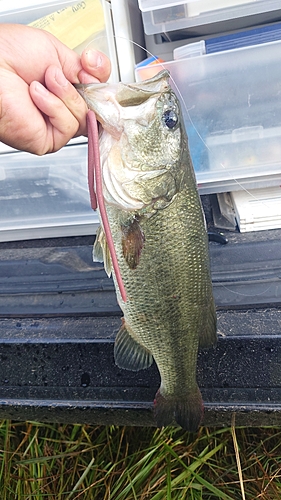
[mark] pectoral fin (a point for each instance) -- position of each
(101, 251)
(130, 354)
(132, 242)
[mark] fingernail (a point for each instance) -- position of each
(38, 87)
(60, 78)
(94, 58)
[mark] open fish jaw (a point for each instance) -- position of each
(139, 154)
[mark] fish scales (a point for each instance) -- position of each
(162, 252)
(168, 300)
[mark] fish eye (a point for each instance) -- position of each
(170, 118)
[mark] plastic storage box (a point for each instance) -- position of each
(26, 11)
(172, 15)
(46, 196)
(231, 103)
(257, 209)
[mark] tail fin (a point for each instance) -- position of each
(186, 411)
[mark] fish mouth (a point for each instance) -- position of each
(114, 106)
(80, 87)
(123, 94)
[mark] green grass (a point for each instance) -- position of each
(71, 462)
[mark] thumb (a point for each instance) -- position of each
(96, 64)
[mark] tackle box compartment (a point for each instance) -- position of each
(174, 15)
(48, 196)
(26, 11)
(231, 104)
(45, 196)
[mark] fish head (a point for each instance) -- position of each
(141, 141)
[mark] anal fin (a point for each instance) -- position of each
(130, 354)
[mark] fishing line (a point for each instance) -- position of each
(187, 112)
(208, 149)
(191, 120)
(194, 127)
(245, 294)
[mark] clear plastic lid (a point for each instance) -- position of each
(231, 103)
(168, 15)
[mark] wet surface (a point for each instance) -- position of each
(59, 318)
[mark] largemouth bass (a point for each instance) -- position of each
(161, 244)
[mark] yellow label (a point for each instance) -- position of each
(74, 24)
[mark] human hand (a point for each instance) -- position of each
(40, 110)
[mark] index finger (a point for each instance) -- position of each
(64, 90)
